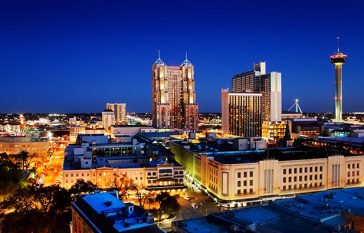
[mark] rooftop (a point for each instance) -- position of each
(101, 202)
(104, 212)
(327, 205)
(226, 156)
(318, 212)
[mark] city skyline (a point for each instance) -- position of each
(74, 59)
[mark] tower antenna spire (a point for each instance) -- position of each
(338, 44)
(186, 55)
(296, 106)
(159, 54)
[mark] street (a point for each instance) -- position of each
(53, 170)
(205, 207)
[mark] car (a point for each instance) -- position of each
(194, 205)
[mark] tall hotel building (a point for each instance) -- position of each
(119, 110)
(263, 91)
(241, 113)
(269, 85)
(173, 95)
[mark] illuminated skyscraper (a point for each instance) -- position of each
(338, 59)
(119, 110)
(240, 113)
(173, 96)
(269, 85)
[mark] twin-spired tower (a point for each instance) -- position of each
(338, 59)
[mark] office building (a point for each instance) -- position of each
(173, 96)
(241, 113)
(268, 84)
(119, 110)
(242, 176)
(105, 212)
(108, 119)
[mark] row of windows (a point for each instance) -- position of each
(213, 179)
(300, 178)
(353, 165)
(245, 174)
(213, 187)
(302, 186)
(300, 170)
(353, 173)
(245, 191)
(152, 173)
(245, 183)
(213, 171)
(78, 175)
(352, 181)
(71, 181)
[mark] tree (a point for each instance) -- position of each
(21, 201)
(26, 222)
(37, 209)
(168, 204)
(123, 184)
(81, 187)
(22, 157)
(141, 193)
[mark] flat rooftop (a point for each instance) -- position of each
(253, 219)
(319, 212)
(283, 154)
(102, 202)
(223, 155)
(201, 225)
(326, 206)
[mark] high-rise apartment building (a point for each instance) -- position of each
(269, 85)
(108, 118)
(173, 95)
(119, 110)
(241, 114)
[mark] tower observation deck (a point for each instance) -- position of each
(338, 59)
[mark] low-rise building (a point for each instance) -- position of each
(305, 126)
(104, 212)
(337, 210)
(274, 130)
(103, 163)
(16, 144)
(12, 127)
(241, 177)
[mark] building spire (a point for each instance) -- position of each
(159, 61)
(338, 44)
(186, 62)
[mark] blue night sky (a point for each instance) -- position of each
(74, 56)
